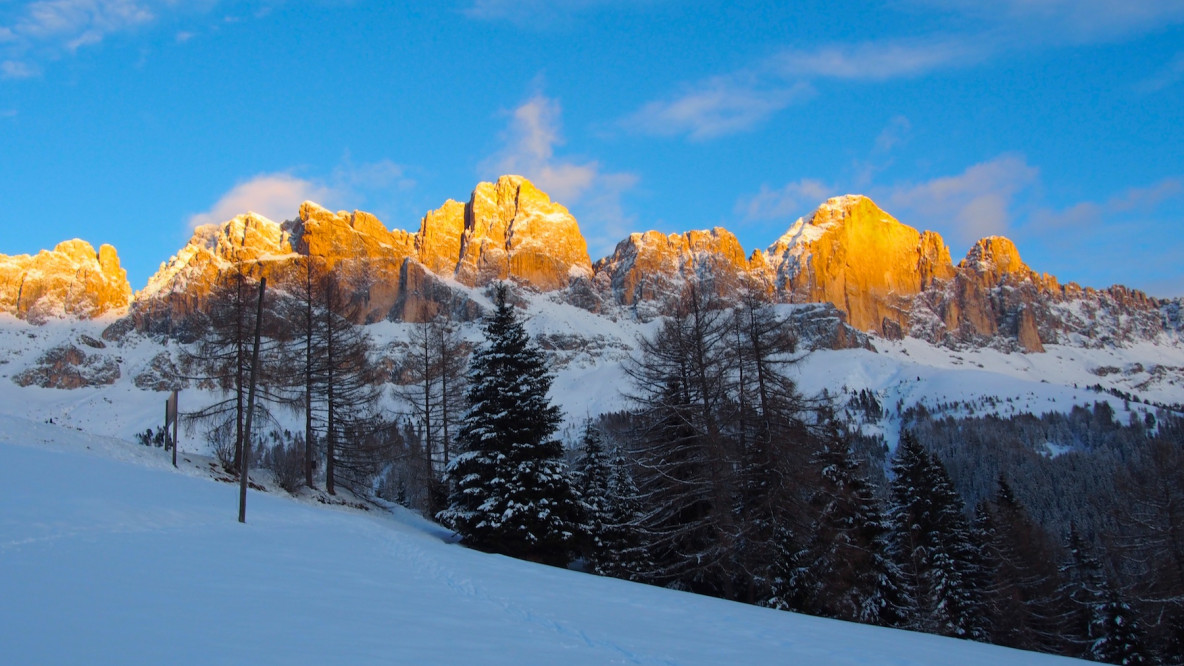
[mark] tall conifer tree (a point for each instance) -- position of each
(510, 489)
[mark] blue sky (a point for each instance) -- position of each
(1057, 123)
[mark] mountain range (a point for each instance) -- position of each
(869, 272)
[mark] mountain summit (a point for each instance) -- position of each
(70, 280)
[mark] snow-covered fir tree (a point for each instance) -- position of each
(510, 491)
(845, 570)
(592, 480)
(621, 550)
(933, 546)
(1119, 636)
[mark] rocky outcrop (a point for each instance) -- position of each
(514, 231)
(70, 280)
(68, 367)
(893, 280)
(161, 375)
(509, 230)
(654, 267)
(856, 256)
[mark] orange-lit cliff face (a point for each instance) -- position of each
(508, 230)
(883, 276)
(72, 280)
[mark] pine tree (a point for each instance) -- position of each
(933, 546)
(622, 553)
(1085, 592)
(687, 465)
(510, 489)
(344, 390)
(1023, 597)
(221, 357)
(846, 571)
(435, 388)
(1120, 638)
(592, 478)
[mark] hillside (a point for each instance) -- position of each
(131, 562)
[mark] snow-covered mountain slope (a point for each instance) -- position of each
(588, 352)
(107, 555)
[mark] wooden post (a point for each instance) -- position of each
(171, 415)
(245, 467)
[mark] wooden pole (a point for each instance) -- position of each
(245, 467)
(174, 414)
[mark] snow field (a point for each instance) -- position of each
(107, 555)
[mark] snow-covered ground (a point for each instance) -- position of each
(589, 351)
(109, 556)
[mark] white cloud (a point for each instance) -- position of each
(539, 14)
(583, 186)
(276, 196)
(1089, 215)
(896, 133)
(356, 180)
(975, 203)
(878, 60)
(82, 21)
(1077, 21)
(784, 203)
(738, 101)
(47, 29)
(741, 100)
(15, 69)
(1167, 76)
(718, 106)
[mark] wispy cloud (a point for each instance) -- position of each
(541, 14)
(1075, 21)
(49, 29)
(718, 106)
(16, 69)
(1091, 215)
(529, 150)
(975, 203)
(1166, 77)
(742, 99)
(878, 60)
(784, 203)
(276, 196)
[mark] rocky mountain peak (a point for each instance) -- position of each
(851, 253)
(70, 280)
(996, 256)
(514, 230)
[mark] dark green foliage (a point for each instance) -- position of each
(592, 478)
(846, 571)
(510, 490)
(620, 551)
(932, 543)
(1024, 603)
(1119, 636)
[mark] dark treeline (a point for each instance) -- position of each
(1099, 496)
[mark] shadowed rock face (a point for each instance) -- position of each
(70, 280)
